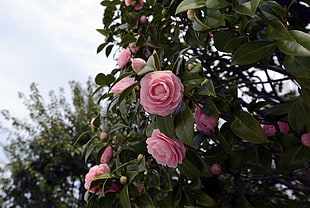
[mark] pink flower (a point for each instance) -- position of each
(144, 20)
(138, 64)
(166, 151)
(270, 130)
(106, 155)
(92, 174)
(161, 92)
(123, 58)
(191, 14)
(138, 4)
(216, 169)
(132, 47)
(122, 84)
(204, 123)
(305, 139)
(103, 135)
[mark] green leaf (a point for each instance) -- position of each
(101, 47)
(204, 199)
(252, 52)
(248, 128)
(277, 31)
(184, 126)
(207, 89)
(191, 80)
(125, 94)
(299, 67)
(293, 158)
(128, 38)
(188, 169)
(145, 201)
(305, 94)
(217, 4)
(299, 116)
(154, 61)
(190, 4)
(279, 109)
(213, 18)
(145, 70)
(124, 197)
(247, 8)
(209, 107)
(300, 46)
(166, 125)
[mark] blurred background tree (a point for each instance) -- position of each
(43, 169)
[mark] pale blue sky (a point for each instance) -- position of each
(50, 43)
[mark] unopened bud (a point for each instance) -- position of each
(138, 64)
(164, 12)
(106, 155)
(191, 14)
(305, 139)
(123, 180)
(103, 135)
(216, 169)
(144, 20)
(140, 157)
(190, 66)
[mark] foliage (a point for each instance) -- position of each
(44, 170)
(244, 61)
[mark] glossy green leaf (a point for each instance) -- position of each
(299, 116)
(293, 158)
(101, 47)
(190, 4)
(165, 125)
(300, 46)
(273, 10)
(252, 52)
(278, 110)
(248, 128)
(204, 199)
(154, 61)
(277, 31)
(188, 169)
(145, 70)
(145, 201)
(127, 92)
(199, 25)
(124, 197)
(184, 126)
(210, 108)
(247, 8)
(305, 94)
(300, 68)
(207, 89)
(217, 4)
(213, 18)
(220, 39)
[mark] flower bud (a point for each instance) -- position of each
(106, 155)
(140, 157)
(305, 139)
(216, 169)
(191, 14)
(144, 20)
(103, 135)
(164, 12)
(132, 47)
(123, 180)
(190, 66)
(138, 64)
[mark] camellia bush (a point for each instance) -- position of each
(208, 105)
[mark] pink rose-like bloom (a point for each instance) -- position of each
(144, 20)
(166, 151)
(305, 139)
(123, 58)
(106, 155)
(161, 92)
(138, 64)
(270, 130)
(138, 4)
(92, 174)
(122, 84)
(132, 47)
(216, 169)
(204, 123)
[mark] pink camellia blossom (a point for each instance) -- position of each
(122, 84)
(138, 4)
(166, 151)
(133, 48)
(123, 58)
(305, 139)
(270, 130)
(216, 169)
(144, 19)
(204, 123)
(106, 155)
(92, 174)
(138, 64)
(191, 14)
(161, 92)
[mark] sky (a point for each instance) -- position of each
(49, 43)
